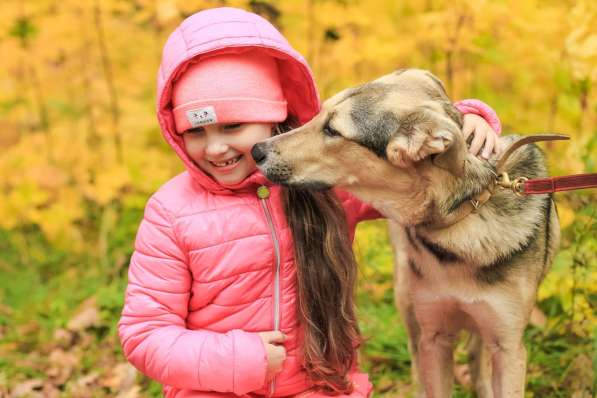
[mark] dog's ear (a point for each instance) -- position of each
(423, 134)
(453, 158)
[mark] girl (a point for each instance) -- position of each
(237, 286)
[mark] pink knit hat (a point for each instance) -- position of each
(229, 88)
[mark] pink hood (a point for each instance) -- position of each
(225, 30)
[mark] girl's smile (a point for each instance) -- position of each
(228, 164)
(224, 150)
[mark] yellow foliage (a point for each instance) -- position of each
(108, 184)
(581, 42)
(562, 283)
(78, 113)
(166, 11)
(566, 215)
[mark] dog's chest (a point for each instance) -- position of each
(449, 314)
(427, 258)
(429, 267)
(442, 287)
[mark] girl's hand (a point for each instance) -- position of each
(483, 136)
(276, 353)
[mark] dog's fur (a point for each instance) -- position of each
(396, 143)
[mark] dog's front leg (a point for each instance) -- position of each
(414, 335)
(509, 369)
(435, 363)
(480, 362)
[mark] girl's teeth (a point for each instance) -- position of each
(229, 162)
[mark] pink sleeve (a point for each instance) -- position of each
(153, 330)
(482, 109)
(355, 210)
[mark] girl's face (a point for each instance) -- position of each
(224, 150)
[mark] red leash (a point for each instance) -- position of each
(525, 186)
(557, 184)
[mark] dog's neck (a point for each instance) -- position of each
(505, 223)
(423, 194)
(453, 195)
(405, 190)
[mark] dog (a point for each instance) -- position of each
(396, 143)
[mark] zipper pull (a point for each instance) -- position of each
(263, 192)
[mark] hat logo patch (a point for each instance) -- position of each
(202, 116)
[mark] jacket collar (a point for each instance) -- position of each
(249, 184)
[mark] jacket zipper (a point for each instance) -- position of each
(263, 194)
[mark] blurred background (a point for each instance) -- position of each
(81, 152)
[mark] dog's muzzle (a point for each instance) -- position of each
(276, 170)
(259, 153)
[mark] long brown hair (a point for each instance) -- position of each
(326, 276)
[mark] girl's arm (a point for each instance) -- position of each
(478, 107)
(152, 328)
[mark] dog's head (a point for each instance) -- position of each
(366, 133)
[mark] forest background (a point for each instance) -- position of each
(81, 152)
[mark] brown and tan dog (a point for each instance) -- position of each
(396, 143)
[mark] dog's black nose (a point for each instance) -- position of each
(258, 153)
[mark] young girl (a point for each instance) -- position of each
(238, 287)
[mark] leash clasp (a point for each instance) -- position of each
(516, 185)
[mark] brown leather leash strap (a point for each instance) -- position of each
(557, 184)
(527, 139)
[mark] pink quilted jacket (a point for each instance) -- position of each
(214, 265)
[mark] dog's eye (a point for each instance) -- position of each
(330, 131)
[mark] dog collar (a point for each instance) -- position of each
(520, 185)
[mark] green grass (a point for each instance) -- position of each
(42, 288)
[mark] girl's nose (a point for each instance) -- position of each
(216, 146)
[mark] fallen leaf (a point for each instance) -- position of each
(28, 328)
(132, 392)
(62, 365)
(81, 387)
(29, 388)
(5, 310)
(581, 394)
(59, 357)
(63, 338)
(32, 360)
(87, 379)
(50, 391)
(579, 377)
(87, 316)
(121, 378)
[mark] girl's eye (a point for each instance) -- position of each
(232, 126)
(330, 131)
(195, 131)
